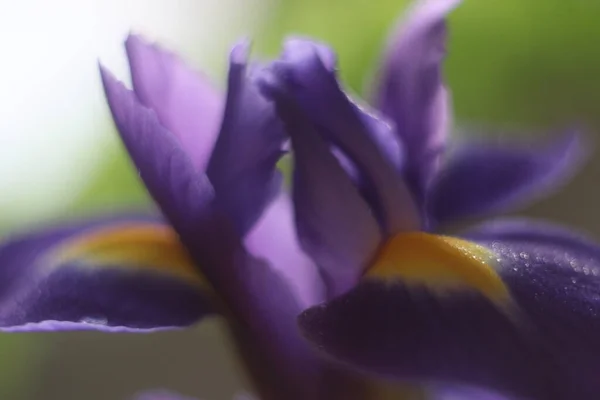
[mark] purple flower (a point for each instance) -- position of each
(512, 306)
(509, 307)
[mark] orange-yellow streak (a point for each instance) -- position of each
(141, 245)
(439, 263)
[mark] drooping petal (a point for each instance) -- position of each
(185, 102)
(337, 119)
(118, 274)
(516, 312)
(182, 192)
(242, 168)
(335, 225)
(410, 88)
(490, 177)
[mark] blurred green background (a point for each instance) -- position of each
(526, 64)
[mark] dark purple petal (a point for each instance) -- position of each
(314, 87)
(467, 393)
(185, 102)
(486, 177)
(117, 274)
(242, 168)
(435, 320)
(182, 192)
(410, 89)
(335, 225)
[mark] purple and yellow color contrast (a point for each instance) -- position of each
(351, 276)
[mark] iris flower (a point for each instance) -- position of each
(355, 252)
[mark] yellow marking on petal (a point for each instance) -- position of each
(441, 264)
(146, 245)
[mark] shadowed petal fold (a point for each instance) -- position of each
(486, 177)
(336, 119)
(124, 273)
(518, 315)
(185, 102)
(335, 225)
(411, 92)
(242, 168)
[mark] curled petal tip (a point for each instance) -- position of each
(241, 51)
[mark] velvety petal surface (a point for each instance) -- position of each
(123, 273)
(182, 192)
(341, 236)
(242, 168)
(335, 118)
(517, 312)
(185, 101)
(410, 88)
(489, 177)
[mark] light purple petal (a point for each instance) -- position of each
(335, 225)
(182, 192)
(486, 177)
(338, 120)
(410, 88)
(242, 168)
(541, 342)
(286, 257)
(185, 102)
(117, 274)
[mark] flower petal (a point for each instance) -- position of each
(242, 168)
(336, 118)
(410, 89)
(341, 236)
(492, 178)
(185, 102)
(180, 190)
(444, 316)
(287, 257)
(123, 273)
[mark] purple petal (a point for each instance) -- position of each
(118, 274)
(340, 235)
(467, 393)
(242, 167)
(181, 191)
(410, 88)
(315, 89)
(185, 102)
(491, 178)
(286, 258)
(443, 322)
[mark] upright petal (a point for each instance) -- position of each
(519, 315)
(185, 102)
(340, 235)
(182, 192)
(316, 91)
(125, 273)
(242, 168)
(410, 88)
(483, 178)
(287, 257)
